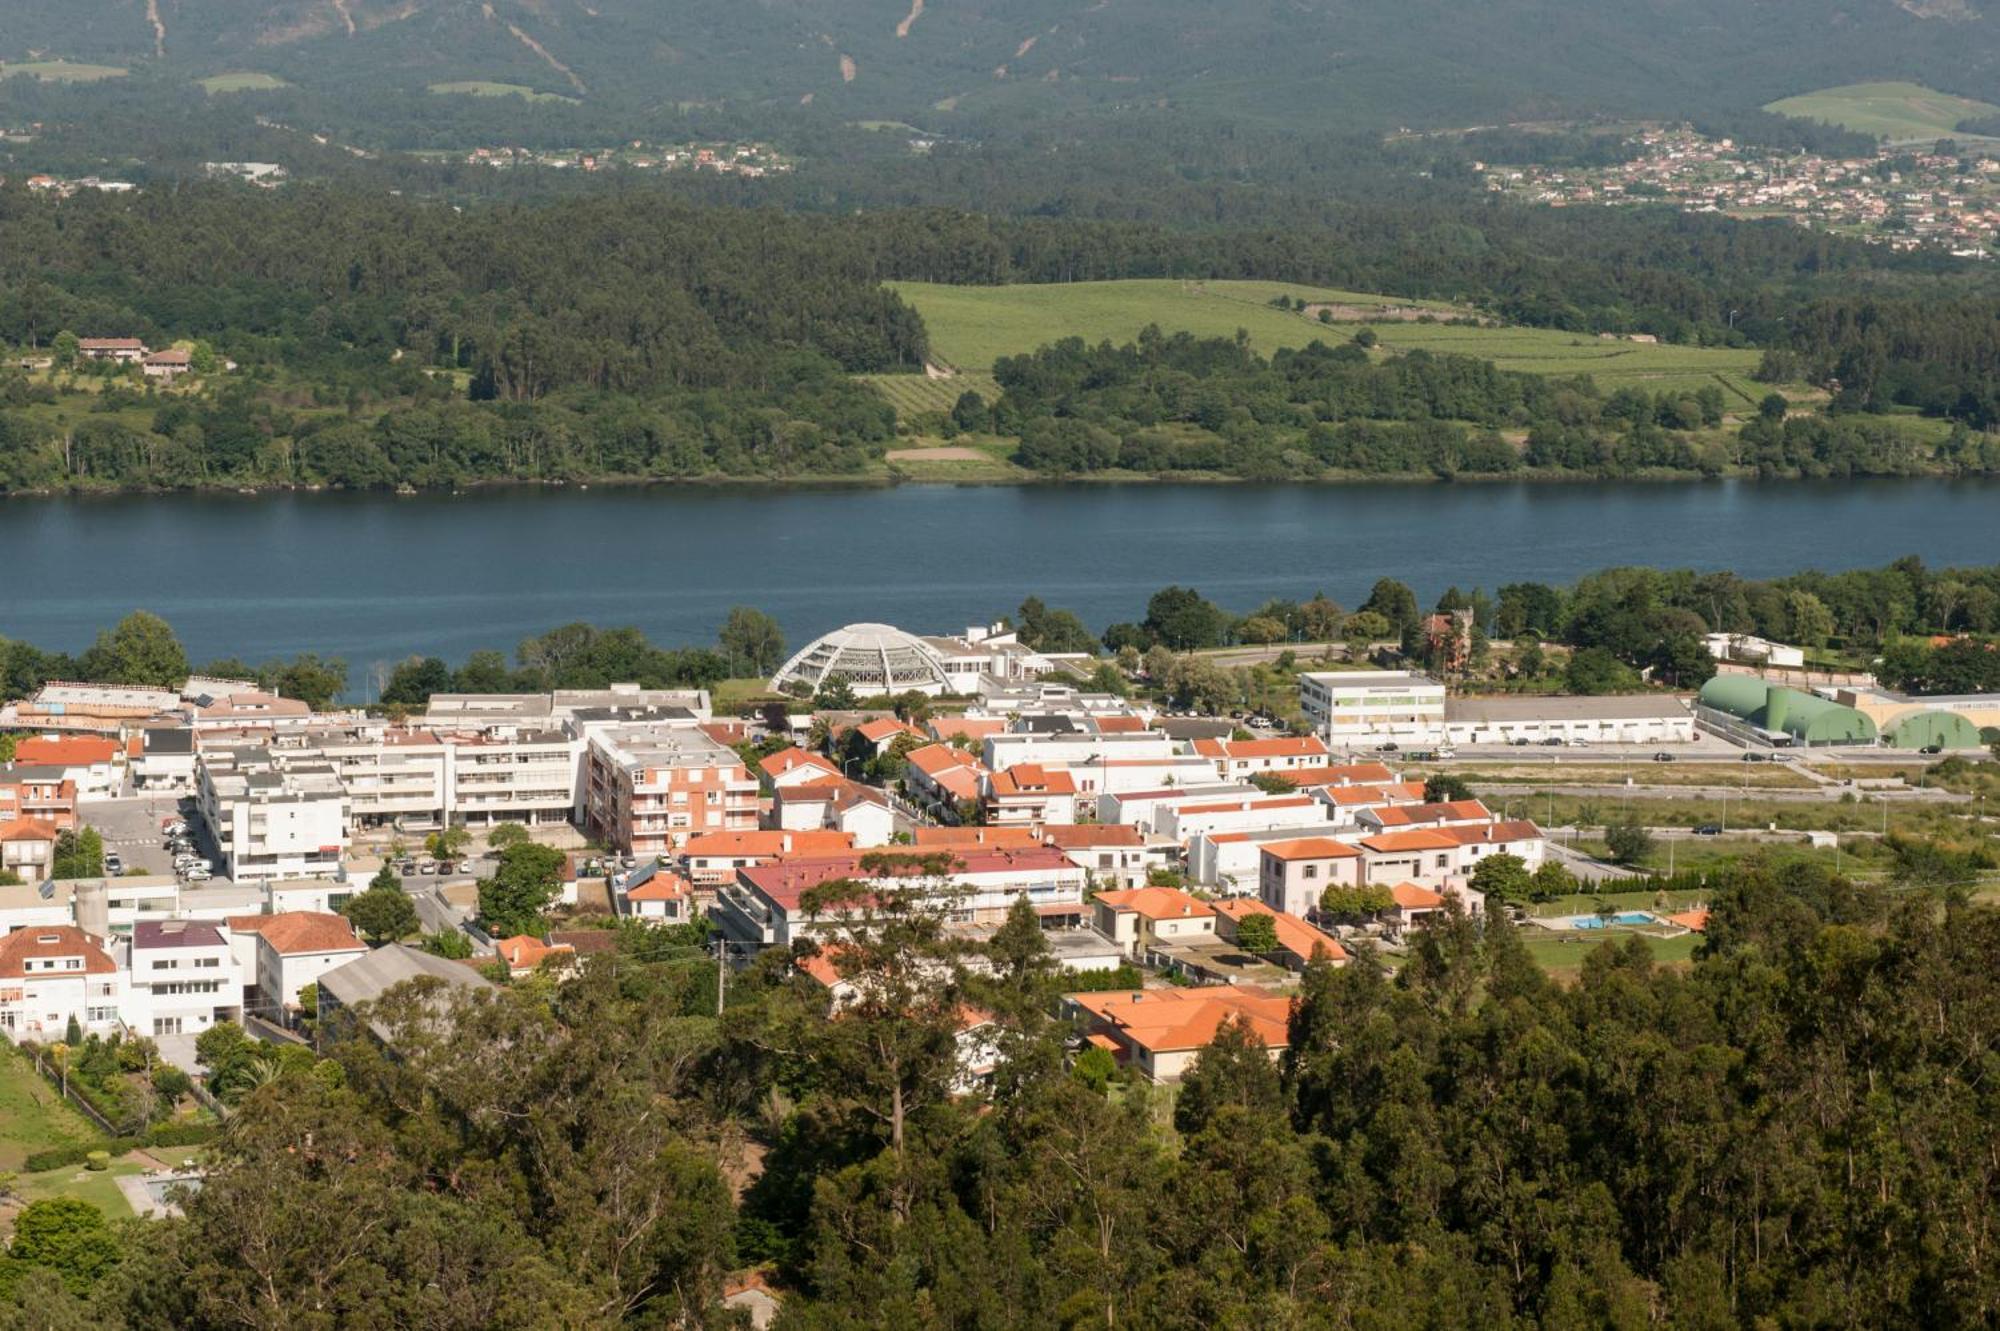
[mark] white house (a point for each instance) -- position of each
(182, 978)
(51, 974)
(288, 952)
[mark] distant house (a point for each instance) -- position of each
(524, 954)
(125, 350)
(51, 974)
(288, 951)
(27, 848)
(1140, 917)
(1161, 1031)
(657, 895)
(1298, 942)
(166, 366)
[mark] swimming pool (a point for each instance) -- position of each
(1628, 918)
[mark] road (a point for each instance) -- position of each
(131, 826)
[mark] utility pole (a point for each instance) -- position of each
(721, 972)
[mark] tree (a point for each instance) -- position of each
(382, 914)
(451, 944)
(835, 695)
(1199, 683)
(1364, 629)
(1552, 880)
(1443, 787)
(524, 881)
(1356, 903)
(969, 413)
(140, 649)
(70, 1237)
(1257, 933)
(413, 682)
(507, 834)
(1811, 623)
(448, 843)
(64, 349)
(202, 358)
(753, 639)
(1273, 783)
(1183, 619)
(1394, 602)
(79, 853)
(1629, 841)
(1504, 877)
(1594, 670)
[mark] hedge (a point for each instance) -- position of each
(166, 1134)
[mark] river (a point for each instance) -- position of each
(373, 578)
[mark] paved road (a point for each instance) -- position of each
(131, 826)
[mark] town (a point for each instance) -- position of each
(747, 159)
(1942, 197)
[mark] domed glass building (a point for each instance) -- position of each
(875, 659)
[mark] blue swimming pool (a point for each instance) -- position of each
(1629, 917)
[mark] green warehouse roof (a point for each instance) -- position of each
(1806, 717)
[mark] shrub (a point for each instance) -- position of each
(97, 1161)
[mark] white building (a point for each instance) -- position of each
(285, 953)
(1754, 651)
(53, 974)
(1368, 708)
(271, 816)
(183, 978)
(1073, 748)
(1637, 718)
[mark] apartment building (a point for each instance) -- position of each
(649, 789)
(1367, 708)
(272, 816)
(1069, 748)
(182, 978)
(41, 794)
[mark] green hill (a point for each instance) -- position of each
(1895, 111)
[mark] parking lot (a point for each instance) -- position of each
(131, 828)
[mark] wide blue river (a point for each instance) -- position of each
(373, 578)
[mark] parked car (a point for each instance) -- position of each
(1390, 747)
(406, 868)
(197, 874)
(1554, 742)
(1521, 743)
(1663, 757)
(1709, 829)
(1932, 748)
(114, 864)
(175, 827)
(1756, 758)
(1447, 753)
(427, 865)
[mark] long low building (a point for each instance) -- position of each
(1631, 718)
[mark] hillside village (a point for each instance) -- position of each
(1947, 200)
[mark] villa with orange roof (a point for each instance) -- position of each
(1113, 854)
(1030, 795)
(51, 973)
(795, 766)
(968, 838)
(939, 774)
(1293, 875)
(837, 804)
(1138, 918)
(1238, 759)
(657, 895)
(28, 848)
(716, 858)
(91, 761)
(524, 953)
(1161, 1031)
(288, 951)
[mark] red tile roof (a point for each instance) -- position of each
(999, 838)
(1311, 848)
(766, 844)
(52, 941)
(294, 932)
(1032, 779)
(1294, 934)
(1287, 747)
(788, 760)
(1175, 1020)
(28, 829)
(524, 952)
(1157, 903)
(661, 886)
(65, 751)
(1078, 836)
(1411, 897)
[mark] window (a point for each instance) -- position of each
(98, 1014)
(1312, 871)
(166, 965)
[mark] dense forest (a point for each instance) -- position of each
(1181, 404)
(1798, 1130)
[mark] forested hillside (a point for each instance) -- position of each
(1427, 62)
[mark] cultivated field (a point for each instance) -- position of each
(61, 71)
(971, 326)
(484, 88)
(914, 394)
(1890, 110)
(242, 81)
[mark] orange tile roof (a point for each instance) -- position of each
(1033, 779)
(661, 887)
(1251, 802)
(933, 759)
(1345, 796)
(1477, 834)
(525, 952)
(1287, 747)
(1421, 838)
(999, 838)
(58, 940)
(1121, 725)
(1409, 896)
(1311, 848)
(1078, 836)
(65, 751)
(298, 931)
(1176, 1020)
(971, 727)
(1157, 903)
(28, 829)
(786, 760)
(884, 729)
(767, 844)
(1294, 934)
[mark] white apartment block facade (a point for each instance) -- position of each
(1366, 708)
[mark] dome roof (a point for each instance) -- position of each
(873, 658)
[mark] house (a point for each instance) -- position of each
(862, 812)
(288, 951)
(52, 975)
(1435, 855)
(1445, 813)
(183, 978)
(1113, 854)
(524, 954)
(1161, 1031)
(715, 859)
(1413, 904)
(1292, 876)
(657, 895)
(91, 761)
(1029, 794)
(166, 366)
(972, 838)
(1139, 918)
(124, 350)
(884, 731)
(27, 848)
(975, 1034)
(1239, 759)
(162, 758)
(43, 794)
(795, 766)
(1298, 942)
(942, 775)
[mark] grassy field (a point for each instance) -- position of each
(972, 326)
(1774, 776)
(1563, 957)
(62, 71)
(913, 394)
(32, 1116)
(1890, 110)
(242, 81)
(485, 88)
(98, 1187)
